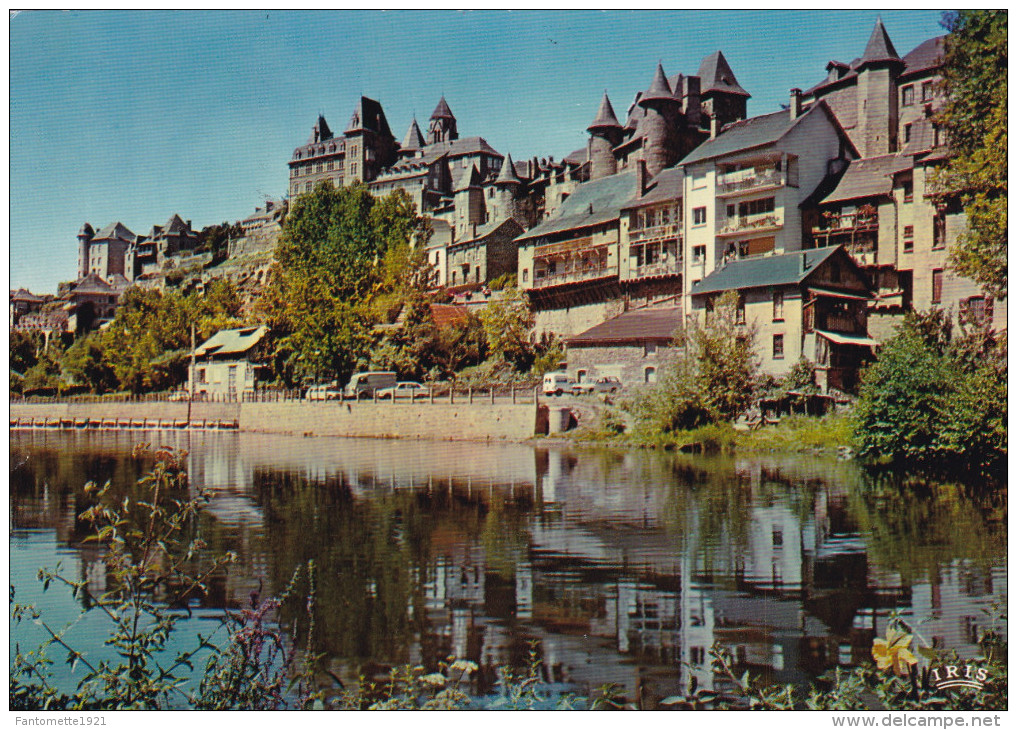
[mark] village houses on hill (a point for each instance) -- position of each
(682, 198)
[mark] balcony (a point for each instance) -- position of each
(860, 220)
(670, 231)
(671, 267)
(740, 225)
(750, 181)
(572, 275)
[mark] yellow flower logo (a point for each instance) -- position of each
(892, 652)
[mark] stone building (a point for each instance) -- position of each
(800, 304)
(227, 364)
(485, 253)
(261, 229)
(150, 253)
(107, 252)
(633, 346)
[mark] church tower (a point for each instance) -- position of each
(442, 127)
(605, 134)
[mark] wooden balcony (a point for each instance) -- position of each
(741, 225)
(573, 275)
(750, 181)
(671, 267)
(669, 232)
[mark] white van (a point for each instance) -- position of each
(363, 385)
(557, 383)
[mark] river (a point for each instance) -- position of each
(618, 566)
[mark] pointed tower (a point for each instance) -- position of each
(320, 131)
(878, 70)
(84, 238)
(721, 96)
(660, 124)
(506, 193)
(605, 134)
(469, 203)
(413, 141)
(442, 127)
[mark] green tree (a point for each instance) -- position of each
(216, 239)
(507, 323)
(24, 348)
(975, 117)
(712, 376)
(934, 401)
(345, 263)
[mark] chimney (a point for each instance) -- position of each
(474, 228)
(641, 175)
(804, 266)
(796, 103)
(189, 223)
(690, 100)
(713, 127)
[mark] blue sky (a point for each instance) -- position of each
(134, 116)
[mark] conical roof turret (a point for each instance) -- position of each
(716, 75)
(86, 231)
(605, 118)
(507, 174)
(659, 89)
(414, 140)
(469, 179)
(880, 47)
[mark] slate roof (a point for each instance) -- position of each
(667, 185)
(413, 140)
(760, 271)
(923, 137)
(468, 146)
(880, 47)
(659, 88)
(231, 342)
(92, 284)
(86, 230)
(867, 178)
(320, 131)
(507, 174)
(716, 75)
(23, 295)
(925, 56)
(368, 115)
(592, 203)
(115, 231)
(605, 118)
(637, 325)
(442, 111)
(749, 133)
(469, 179)
(488, 229)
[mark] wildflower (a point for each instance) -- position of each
(892, 652)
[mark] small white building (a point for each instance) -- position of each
(227, 363)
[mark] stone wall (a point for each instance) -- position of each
(480, 420)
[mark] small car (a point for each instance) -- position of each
(180, 395)
(324, 392)
(600, 385)
(407, 389)
(557, 383)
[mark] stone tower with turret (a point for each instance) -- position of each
(878, 70)
(721, 97)
(660, 124)
(605, 134)
(84, 238)
(506, 194)
(469, 204)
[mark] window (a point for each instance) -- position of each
(778, 538)
(907, 133)
(937, 286)
(649, 348)
(740, 311)
(778, 306)
(907, 95)
(755, 207)
(699, 216)
(778, 347)
(909, 239)
(699, 180)
(927, 91)
(698, 254)
(580, 376)
(330, 165)
(320, 168)
(308, 187)
(201, 375)
(650, 375)
(909, 191)
(939, 231)
(975, 310)
(526, 275)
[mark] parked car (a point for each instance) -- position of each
(600, 385)
(180, 395)
(557, 383)
(324, 391)
(407, 389)
(365, 384)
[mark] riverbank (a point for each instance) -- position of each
(481, 420)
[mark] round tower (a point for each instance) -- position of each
(660, 125)
(84, 238)
(605, 134)
(506, 187)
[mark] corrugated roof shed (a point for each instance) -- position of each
(231, 342)
(775, 270)
(638, 325)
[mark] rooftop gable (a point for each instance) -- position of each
(592, 203)
(232, 341)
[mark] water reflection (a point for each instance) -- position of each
(624, 566)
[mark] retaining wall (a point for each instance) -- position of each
(443, 421)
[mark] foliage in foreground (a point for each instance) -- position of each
(936, 400)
